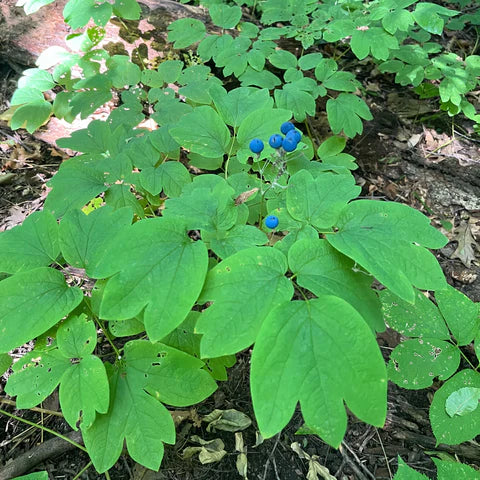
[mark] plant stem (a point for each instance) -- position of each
(33, 409)
(84, 469)
(45, 429)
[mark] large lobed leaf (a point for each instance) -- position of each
(152, 265)
(148, 373)
(387, 239)
(32, 302)
(319, 352)
(243, 288)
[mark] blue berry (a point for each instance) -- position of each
(256, 145)
(286, 127)
(271, 221)
(295, 135)
(275, 140)
(289, 144)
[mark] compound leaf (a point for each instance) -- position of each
(320, 200)
(185, 31)
(170, 177)
(32, 244)
(235, 105)
(202, 131)
(460, 313)
(134, 414)
(226, 243)
(325, 271)
(31, 115)
(456, 429)
(153, 264)
(207, 203)
(243, 289)
(36, 300)
(224, 16)
(387, 239)
(422, 319)
(77, 181)
(345, 113)
(36, 375)
(84, 239)
(299, 346)
(414, 364)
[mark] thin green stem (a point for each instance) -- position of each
(33, 409)
(227, 161)
(45, 429)
(84, 469)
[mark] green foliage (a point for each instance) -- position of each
(182, 260)
(445, 470)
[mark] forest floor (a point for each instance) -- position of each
(410, 153)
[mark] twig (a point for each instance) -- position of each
(270, 457)
(354, 466)
(29, 459)
(384, 454)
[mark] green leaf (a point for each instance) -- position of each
(232, 322)
(320, 200)
(31, 244)
(429, 16)
(240, 237)
(36, 376)
(345, 113)
(422, 319)
(152, 253)
(405, 472)
(324, 271)
(463, 401)
(293, 98)
(122, 72)
(31, 115)
(372, 39)
(300, 345)
(283, 59)
(414, 364)
(84, 388)
(202, 132)
(5, 362)
(448, 469)
(31, 6)
(460, 313)
(77, 337)
(120, 196)
(398, 19)
(206, 204)
(456, 429)
(224, 16)
(36, 78)
(262, 79)
(36, 300)
(95, 91)
(147, 371)
(77, 181)
(387, 239)
(128, 9)
(185, 32)
(170, 177)
(84, 239)
(234, 106)
(261, 124)
(309, 61)
(34, 476)
(26, 95)
(77, 13)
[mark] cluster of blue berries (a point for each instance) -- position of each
(289, 142)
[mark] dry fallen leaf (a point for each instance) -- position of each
(465, 240)
(314, 467)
